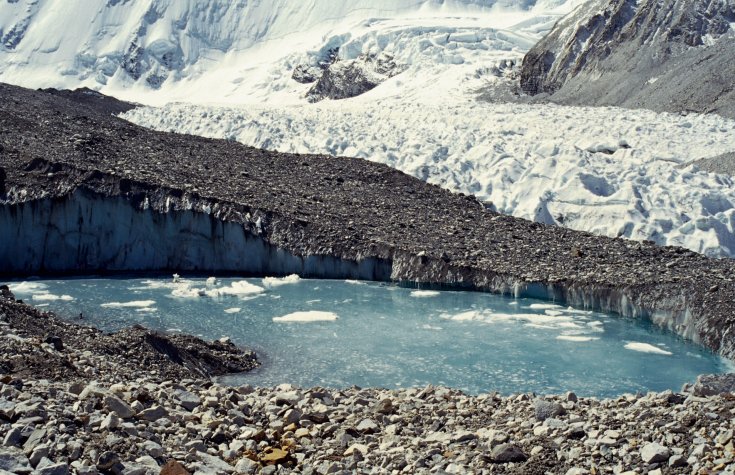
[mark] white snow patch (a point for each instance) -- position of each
(271, 282)
(646, 348)
(47, 297)
(425, 293)
(306, 317)
(132, 304)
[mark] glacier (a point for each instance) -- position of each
(226, 69)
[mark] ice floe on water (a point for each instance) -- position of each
(242, 289)
(52, 297)
(271, 282)
(646, 348)
(27, 287)
(131, 304)
(233, 310)
(425, 293)
(577, 338)
(306, 317)
(544, 306)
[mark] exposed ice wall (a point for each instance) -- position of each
(87, 232)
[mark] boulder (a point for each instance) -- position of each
(119, 407)
(654, 453)
(546, 409)
(505, 453)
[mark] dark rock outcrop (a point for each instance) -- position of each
(351, 78)
(131, 351)
(671, 55)
(723, 164)
(332, 216)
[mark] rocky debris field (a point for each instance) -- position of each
(70, 405)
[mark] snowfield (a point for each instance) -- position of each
(605, 170)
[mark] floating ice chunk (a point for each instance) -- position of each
(471, 315)
(424, 293)
(233, 310)
(176, 278)
(310, 302)
(146, 310)
(133, 304)
(52, 298)
(544, 306)
(575, 311)
(270, 282)
(553, 313)
(305, 317)
(354, 282)
(579, 338)
(646, 348)
(240, 288)
(432, 327)
(186, 291)
(27, 287)
(211, 281)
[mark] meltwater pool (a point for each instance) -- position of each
(341, 333)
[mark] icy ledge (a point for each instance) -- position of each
(86, 231)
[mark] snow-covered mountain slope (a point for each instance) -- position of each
(668, 55)
(605, 170)
(240, 51)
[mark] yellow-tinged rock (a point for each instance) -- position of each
(273, 455)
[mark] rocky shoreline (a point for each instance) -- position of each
(73, 400)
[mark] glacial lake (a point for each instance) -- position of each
(337, 334)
